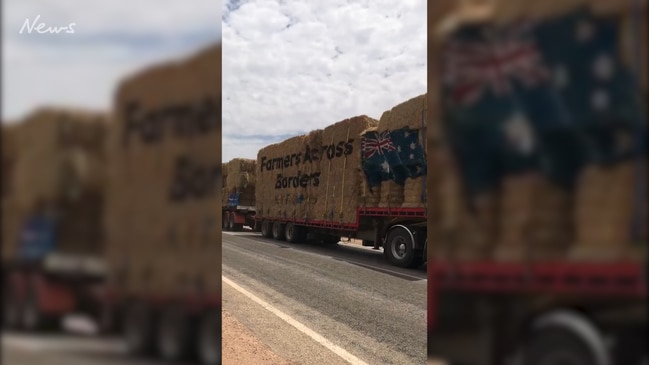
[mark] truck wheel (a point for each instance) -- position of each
(32, 317)
(231, 223)
(556, 346)
(266, 230)
(399, 248)
(209, 338)
(174, 340)
(12, 308)
(139, 330)
(226, 221)
(278, 231)
(294, 233)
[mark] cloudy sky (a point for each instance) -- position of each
(290, 66)
(112, 38)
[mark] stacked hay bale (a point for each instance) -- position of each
(408, 114)
(241, 180)
(283, 182)
(55, 156)
(340, 163)
(538, 220)
(165, 178)
(225, 194)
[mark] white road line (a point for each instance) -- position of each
(302, 328)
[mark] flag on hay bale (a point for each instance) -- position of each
(516, 86)
(392, 155)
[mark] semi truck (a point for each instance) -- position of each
(102, 218)
(238, 194)
(585, 304)
(336, 190)
(51, 217)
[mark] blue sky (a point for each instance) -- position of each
(291, 66)
(112, 39)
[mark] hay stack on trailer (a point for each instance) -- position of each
(555, 210)
(340, 185)
(54, 156)
(315, 177)
(240, 180)
(165, 178)
(410, 115)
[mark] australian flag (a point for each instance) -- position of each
(392, 155)
(535, 95)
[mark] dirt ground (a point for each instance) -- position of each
(242, 347)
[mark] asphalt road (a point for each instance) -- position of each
(65, 349)
(348, 297)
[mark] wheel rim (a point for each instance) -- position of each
(276, 230)
(264, 228)
(399, 248)
(208, 342)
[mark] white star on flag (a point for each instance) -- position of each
(413, 146)
(386, 166)
(399, 149)
(412, 156)
(406, 134)
(419, 169)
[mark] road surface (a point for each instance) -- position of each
(319, 304)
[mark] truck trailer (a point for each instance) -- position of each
(358, 178)
(563, 279)
(238, 194)
(52, 204)
(162, 225)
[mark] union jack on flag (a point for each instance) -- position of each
(474, 64)
(372, 146)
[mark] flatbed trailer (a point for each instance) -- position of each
(236, 216)
(39, 294)
(541, 313)
(400, 231)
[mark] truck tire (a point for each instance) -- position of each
(32, 317)
(174, 335)
(294, 233)
(400, 249)
(231, 222)
(209, 338)
(139, 329)
(226, 221)
(279, 231)
(556, 346)
(266, 230)
(11, 310)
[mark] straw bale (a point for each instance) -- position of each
(407, 114)
(414, 193)
(241, 173)
(340, 185)
(281, 167)
(175, 128)
(58, 152)
(391, 194)
(535, 220)
(604, 213)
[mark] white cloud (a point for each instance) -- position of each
(112, 39)
(290, 66)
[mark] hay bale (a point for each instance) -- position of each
(391, 194)
(414, 193)
(58, 154)
(604, 214)
(407, 114)
(241, 180)
(164, 168)
(281, 178)
(535, 220)
(340, 188)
